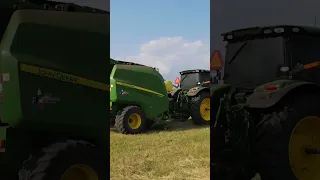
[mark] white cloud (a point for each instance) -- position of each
(172, 55)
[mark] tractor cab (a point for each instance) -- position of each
(193, 78)
(258, 55)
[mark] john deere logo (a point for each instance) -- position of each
(41, 99)
(123, 93)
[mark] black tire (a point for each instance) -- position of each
(195, 103)
(272, 147)
(55, 159)
(123, 118)
(185, 117)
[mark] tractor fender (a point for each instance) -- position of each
(262, 98)
(217, 91)
(194, 91)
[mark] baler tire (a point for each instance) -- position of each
(272, 148)
(122, 120)
(194, 106)
(53, 161)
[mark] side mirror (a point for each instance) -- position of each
(282, 70)
(204, 83)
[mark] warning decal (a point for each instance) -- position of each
(216, 62)
(177, 81)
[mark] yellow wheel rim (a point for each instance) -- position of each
(205, 109)
(134, 121)
(306, 134)
(79, 172)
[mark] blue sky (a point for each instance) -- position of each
(183, 25)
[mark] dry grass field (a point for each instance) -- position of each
(180, 153)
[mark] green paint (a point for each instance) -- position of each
(147, 89)
(3, 132)
(139, 85)
(281, 83)
(194, 91)
(218, 90)
(72, 43)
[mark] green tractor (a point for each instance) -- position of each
(269, 118)
(191, 97)
(140, 98)
(53, 119)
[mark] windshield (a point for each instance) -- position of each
(190, 80)
(255, 63)
(204, 76)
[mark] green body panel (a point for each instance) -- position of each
(262, 98)
(142, 86)
(3, 132)
(72, 43)
(112, 61)
(194, 91)
(218, 90)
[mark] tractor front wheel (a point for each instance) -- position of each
(288, 146)
(66, 160)
(200, 108)
(131, 120)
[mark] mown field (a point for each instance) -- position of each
(181, 153)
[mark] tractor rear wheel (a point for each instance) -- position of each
(200, 108)
(288, 148)
(131, 120)
(66, 160)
